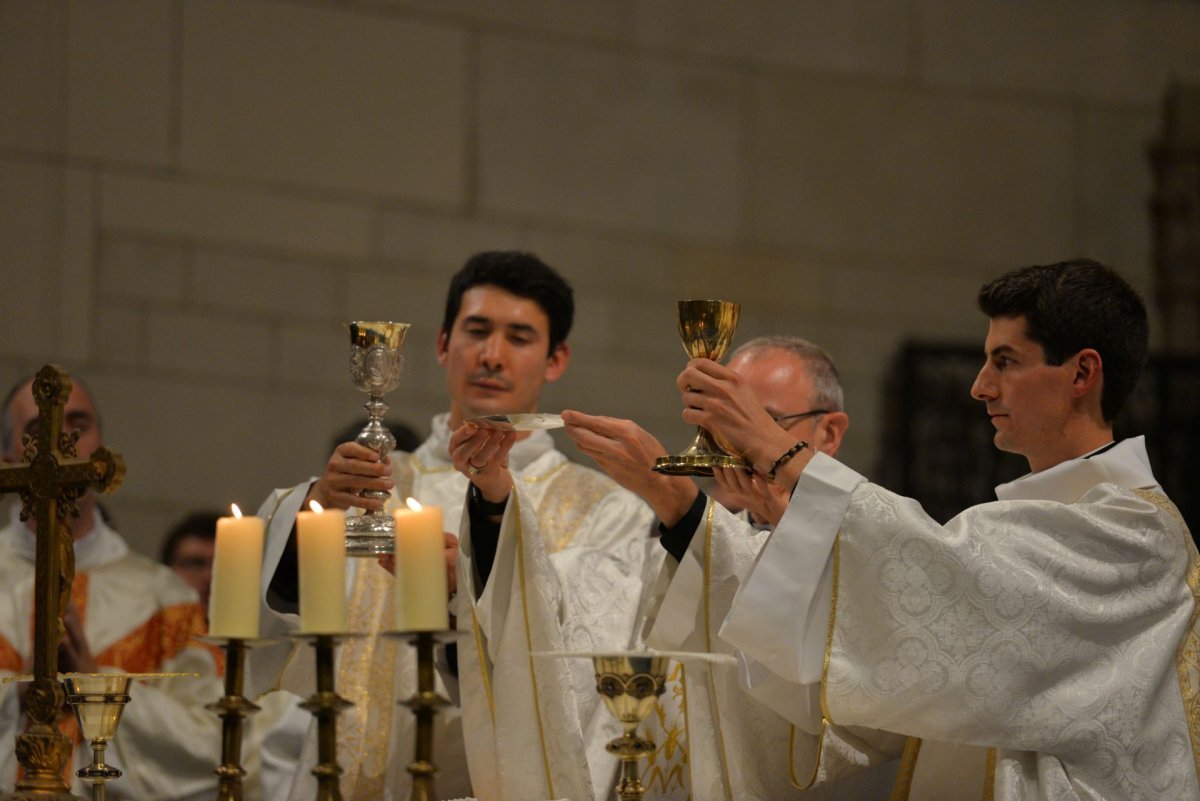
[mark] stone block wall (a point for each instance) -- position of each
(195, 195)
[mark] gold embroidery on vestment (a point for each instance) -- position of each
(908, 768)
(708, 645)
(989, 776)
(483, 667)
(824, 676)
(567, 502)
(537, 707)
(1187, 657)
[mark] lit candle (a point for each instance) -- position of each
(237, 568)
(421, 593)
(321, 542)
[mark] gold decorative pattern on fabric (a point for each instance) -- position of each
(567, 502)
(537, 705)
(908, 768)
(366, 676)
(837, 558)
(659, 776)
(547, 475)
(1187, 657)
(792, 758)
(425, 469)
(989, 776)
(483, 667)
(708, 646)
(160, 638)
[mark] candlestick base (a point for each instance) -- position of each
(232, 709)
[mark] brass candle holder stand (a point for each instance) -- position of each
(232, 708)
(424, 703)
(325, 705)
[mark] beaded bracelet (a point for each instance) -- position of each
(785, 458)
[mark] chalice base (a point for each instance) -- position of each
(370, 535)
(698, 460)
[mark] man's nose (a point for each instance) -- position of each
(984, 388)
(492, 352)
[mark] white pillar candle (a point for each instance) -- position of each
(321, 542)
(421, 592)
(237, 569)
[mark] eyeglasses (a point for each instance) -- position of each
(782, 419)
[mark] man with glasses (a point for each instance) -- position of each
(738, 748)
(1043, 645)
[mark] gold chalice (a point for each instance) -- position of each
(706, 328)
(630, 685)
(98, 700)
(376, 361)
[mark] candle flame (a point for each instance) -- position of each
(413, 504)
(236, 511)
(316, 507)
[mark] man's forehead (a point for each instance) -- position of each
(501, 307)
(1008, 333)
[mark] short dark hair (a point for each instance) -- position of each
(1074, 305)
(522, 274)
(201, 525)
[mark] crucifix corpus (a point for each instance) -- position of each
(50, 481)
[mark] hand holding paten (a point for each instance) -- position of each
(481, 454)
(626, 452)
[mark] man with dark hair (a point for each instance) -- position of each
(125, 613)
(189, 549)
(528, 512)
(1041, 646)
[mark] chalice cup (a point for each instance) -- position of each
(376, 361)
(706, 328)
(630, 685)
(98, 700)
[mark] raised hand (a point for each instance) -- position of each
(481, 454)
(626, 451)
(351, 469)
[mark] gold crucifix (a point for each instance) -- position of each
(49, 482)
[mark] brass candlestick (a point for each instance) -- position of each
(424, 704)
(630, 685)
(232, 709)
(325, 705)
(706, 328)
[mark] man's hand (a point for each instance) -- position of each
(351, 469)
(765, 501)
(481, 454)
(74, 653)
(626, 451)
(388, 562)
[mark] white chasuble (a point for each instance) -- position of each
(740, 748)
(1043, 646)
(567, 576)
(138, 617)
(566, 507)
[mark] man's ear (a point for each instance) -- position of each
(556, 362)
(443, 346)
(1088, 373)
(832, 427)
